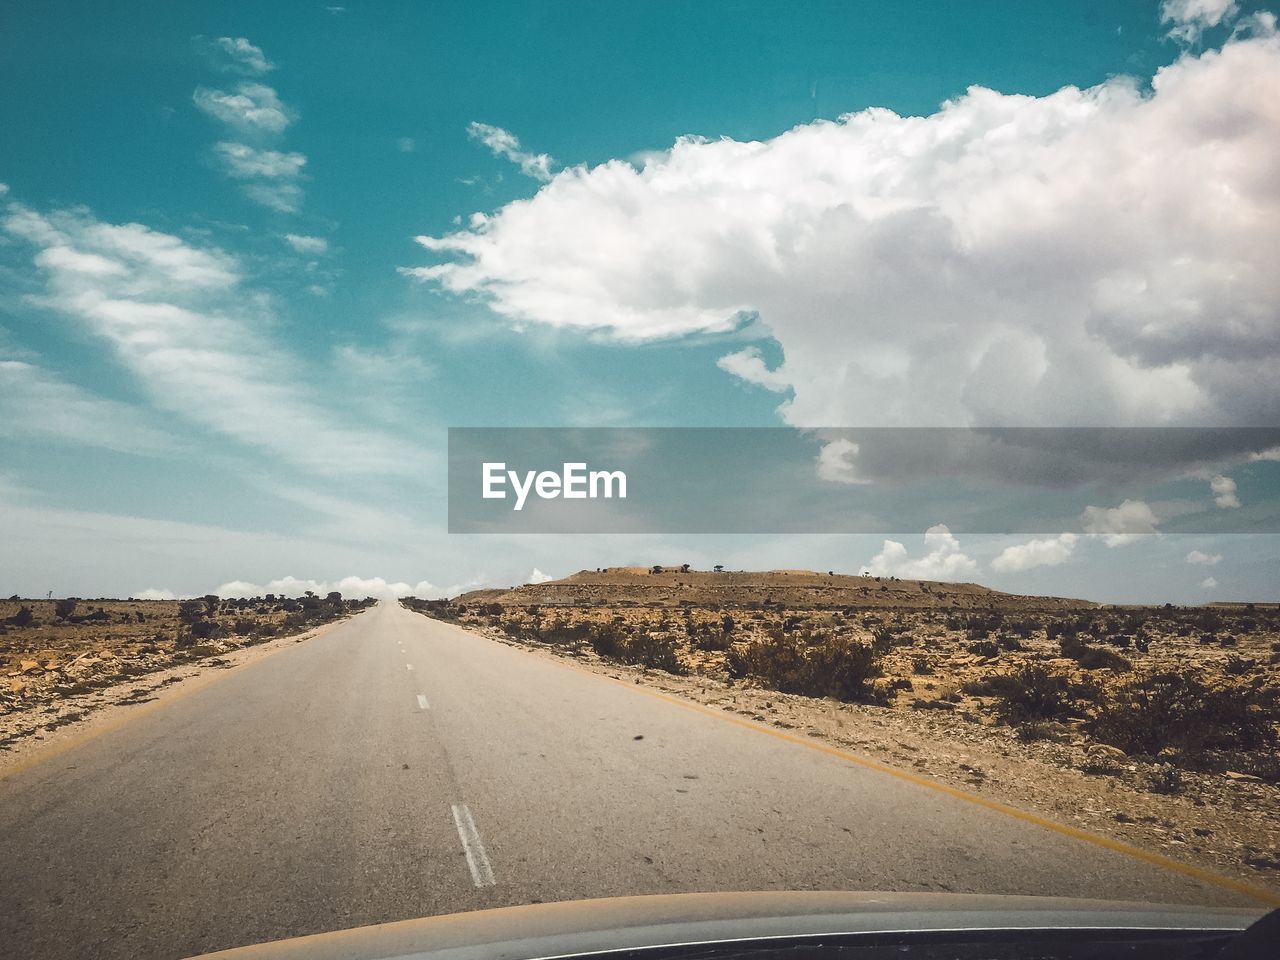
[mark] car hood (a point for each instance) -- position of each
(619, 923)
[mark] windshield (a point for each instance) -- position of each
(464, 455)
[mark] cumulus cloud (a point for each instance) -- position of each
(943, 559)
(1272, 454)
(1224, 492)
(1188, 19)
(1204, 559)
(307, 245)
(178, 317)
(1120, 525)
(1090, 257)
(505, 144)
(347, 586)
(537, 576)
(1048, 552)
(1209, 583)
(242, 55)
(406, 144)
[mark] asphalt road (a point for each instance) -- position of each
(398, 767)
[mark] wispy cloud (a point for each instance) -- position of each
(505, 144)
(268, 177)
(180, 319)
(37, 403)
(1188, 19)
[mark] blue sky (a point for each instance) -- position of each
(226, 359)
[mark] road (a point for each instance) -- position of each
(397, 767)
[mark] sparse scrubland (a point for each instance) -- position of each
(61, 658)
(1157, 724)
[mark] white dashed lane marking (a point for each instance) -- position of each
(477, 861)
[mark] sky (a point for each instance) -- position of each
(256, 259)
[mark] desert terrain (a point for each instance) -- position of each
(1157, 726)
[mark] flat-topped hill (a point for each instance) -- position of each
(789, 589)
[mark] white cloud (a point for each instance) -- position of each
(943, 559)
(748, 364)
(1090, 257)
(269, 177)
(1204, 559)
(836, 462)
(1224, 492)
(1209, 583)
(1272, 454)
(177, 317)
(348, 586)
(1120, 525)
(406, 144)
(252, 107)
(503, 143)
(243, 55)
(1048, 552)
(1189, 19)
(537, 576)
(307, 245)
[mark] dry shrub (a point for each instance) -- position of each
(1093, 658)
(834, 667)
(1028, 693)
(1181, 711)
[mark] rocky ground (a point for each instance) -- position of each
(938, 699)
(62, 660)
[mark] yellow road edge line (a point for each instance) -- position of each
(1107, 843)
(75, 739)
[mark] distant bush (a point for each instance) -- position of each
(23, 617)
(836, 667)
(65, 608)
